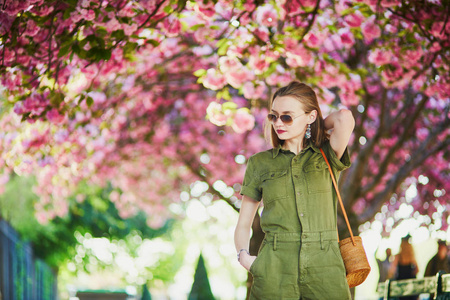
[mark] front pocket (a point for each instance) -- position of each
(318, 177)
(253, 268)
(274, 185)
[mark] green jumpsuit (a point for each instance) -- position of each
(299, 257)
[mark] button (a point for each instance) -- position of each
(298, 193)
(301, 215)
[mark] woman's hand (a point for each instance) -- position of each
(246, 260)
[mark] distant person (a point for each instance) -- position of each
(404, 265)
(384, 266)
(439, 262)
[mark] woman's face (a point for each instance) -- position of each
(287, 105)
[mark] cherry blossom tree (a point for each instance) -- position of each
(153, 96)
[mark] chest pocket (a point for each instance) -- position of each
(318, 177)
(274, 185)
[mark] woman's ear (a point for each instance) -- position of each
(312, 116)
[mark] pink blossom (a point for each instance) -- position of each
(380, 57)
(355, 19)
(327, 96)
(299, 57)
(412, 56)
(113, 25)
(252, 92)
(32, 28)
(227, 64)
(215, 114)
(279, 79)
(392, 72)
(390, 3)
(98, 97)
(346, 36)
(85, 3)
(370, 30)
(314, 40)
(54, 117)
(129, 29)
(236, 78)
(422, 133)
(258, 64)
(262, 33)
(207, 10)
(349, 98)
(18, 108)
(88, 14)
(36, 103)
(214, 80)
(202, 50)
(75, 16)
(172, 26)
(249, 6)
(266, 15)
(243, 121)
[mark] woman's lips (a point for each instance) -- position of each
(279, 131)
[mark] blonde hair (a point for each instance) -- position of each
(307, 97)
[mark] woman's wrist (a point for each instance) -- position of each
(242, 252)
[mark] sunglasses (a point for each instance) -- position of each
(286, 119)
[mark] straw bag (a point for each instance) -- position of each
(352, 251)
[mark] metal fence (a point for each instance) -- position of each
(22, 276)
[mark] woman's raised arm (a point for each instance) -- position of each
(342, 123)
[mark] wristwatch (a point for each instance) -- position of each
(239, 253)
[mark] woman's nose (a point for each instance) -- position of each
(278, 122)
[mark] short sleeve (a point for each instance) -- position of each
(250, 185)
(338, 164)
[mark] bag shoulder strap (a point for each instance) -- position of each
(339, 197)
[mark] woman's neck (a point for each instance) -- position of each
(293, 145)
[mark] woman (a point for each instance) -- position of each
(404, 265)
(299, 257)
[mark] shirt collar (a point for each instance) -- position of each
(276, 151)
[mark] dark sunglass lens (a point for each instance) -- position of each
(287, 119)
(272, 117)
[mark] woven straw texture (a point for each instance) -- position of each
(355, 261)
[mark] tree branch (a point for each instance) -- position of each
(420, 155)
(408, 129)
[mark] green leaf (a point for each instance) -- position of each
(226, 95)
(155, 43)
(118, 34)
(64, 50)
(89, 101)
(81, 99)
(105, 54)
(181, 5)
(76, 48)
(167, 9)
(223, 49)
(229, 105)
(101, 32)
(200, 72)
(197, 26)
(66, 14)
(56, 98)
(129, 49)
